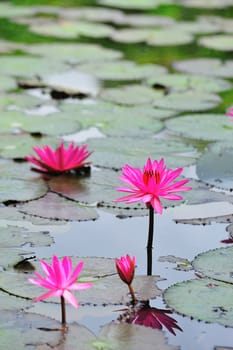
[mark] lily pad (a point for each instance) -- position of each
(72, 29)
(203, 299)
(19, 146)
(13, 236)
(134, 4)
(11, 303)
(53, 124)
(114, 152)
(21, 190)
(7, 83)
(112, 119)
(165, 37)
(184, 82)
(222, 42)
(55, 207)
(95, 14)
(131, 95)
(74, 53)
(8, 46)
(209, 127)
(11, 11)
(216, 264)
(146, 20)
(199, 26)
(131, 337)
(188, 101)
(8, 257)
(121, 70)
(206, 66)
(25, 66)
(107, 288)
(216, 169)
(211, 4)
(18, 101)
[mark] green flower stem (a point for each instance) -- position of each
(150, 241)
(63, 311)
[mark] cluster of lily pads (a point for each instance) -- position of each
(57, 92)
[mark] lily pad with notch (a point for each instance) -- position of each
(222, 42)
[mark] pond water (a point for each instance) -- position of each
(131, 79)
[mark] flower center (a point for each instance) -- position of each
(148, 174)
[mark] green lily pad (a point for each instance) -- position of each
(211, 4)
(216, 264)
(72, 29)
(107, 286)
(19, 146)
(183, 82)
(20, 101)
(114, 152)
(206, 66)
(131, 35)
(21, 190)
(74, 53)
(41, 333)
(8, 46)
(13, 236)
(165, 37)
(112, 119)
(131, 337)
(12, 121)
(225, 25)
(131, 95)
(55, 207)
(11, 11)
(11, 303)
(209, 127)
(222, 42)
(203, 299)
(134, 4)
(25, 66)
(121, 70)
(7, 83)
(188, 101)
(199, 26)
(216, 169)
(145, 20)
(95, 14)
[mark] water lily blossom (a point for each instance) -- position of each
(155, 318)
(61, 160)
(60, 280)
(155, 181)
(126, 267)
(230, 112)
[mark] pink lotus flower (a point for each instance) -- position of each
(151, 183)
(230, 113)
(60, 280)
(155, 318)
(125, 267)
(61, 160)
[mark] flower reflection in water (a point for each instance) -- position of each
(145, 315)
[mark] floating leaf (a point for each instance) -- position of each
(49, 125)
(131, 95)
(19, 146)
(21, 190)
(74, 53)
(203, 299)
(107, 289)
(146, 20)
(216, 169)
(72, 29)
(183, 82)
(11, 303)
(221, 42)
(188, 101)
(25, 66)
(206, 66)
(55, 207)
(131, 337)
(7, 83)
(121, 70)
(165, 37)
(11, 11)
(114, 152)
(13, 236)
(209, 127)
(8, 257)
(209, 5)
(8, 46)
(199, 26)
(134, 4)
(216, 264)
(12, 101)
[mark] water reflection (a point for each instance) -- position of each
(143, 314)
